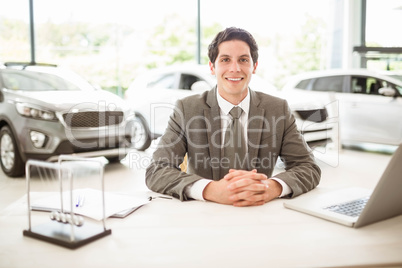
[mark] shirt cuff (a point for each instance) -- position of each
(196, 189)
(285, 188)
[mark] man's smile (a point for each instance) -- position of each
(234, 79)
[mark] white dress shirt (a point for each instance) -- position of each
(196, 190)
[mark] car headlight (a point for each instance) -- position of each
(36, 113)
(314, 115)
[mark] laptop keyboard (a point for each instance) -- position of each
(352, 208)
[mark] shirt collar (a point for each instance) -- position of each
(227, 106)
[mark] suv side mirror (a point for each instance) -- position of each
(200, 86)
(387, 91)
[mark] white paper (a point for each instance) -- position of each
(92, 206)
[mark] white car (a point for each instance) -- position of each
(367, 104)
(153, 96)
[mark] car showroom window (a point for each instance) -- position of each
(330, 83)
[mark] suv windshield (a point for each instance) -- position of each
(35, 81)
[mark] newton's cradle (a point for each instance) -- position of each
(64, 227)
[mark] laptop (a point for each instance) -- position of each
(357, 207)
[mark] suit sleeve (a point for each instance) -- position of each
(302, 174)
(163, 175)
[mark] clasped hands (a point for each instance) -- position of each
(242, 188)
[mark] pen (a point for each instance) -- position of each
(154, 197)
(79, 201)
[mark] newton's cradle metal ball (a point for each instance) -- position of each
(66, 218)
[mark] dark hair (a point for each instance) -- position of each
(232, 33)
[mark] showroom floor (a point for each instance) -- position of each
(128, 176)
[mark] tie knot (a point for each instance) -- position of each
(236, 112)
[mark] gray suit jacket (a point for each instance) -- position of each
(194, 129)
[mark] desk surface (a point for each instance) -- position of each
(170, 233)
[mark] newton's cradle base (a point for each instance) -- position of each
(60, 234)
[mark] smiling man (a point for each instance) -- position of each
(232, 137)
(233, 68)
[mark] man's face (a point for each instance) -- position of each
(233, 69)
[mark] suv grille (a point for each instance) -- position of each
(93, 119)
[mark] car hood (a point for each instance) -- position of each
(66, 100)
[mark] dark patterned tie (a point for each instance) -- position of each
(234, 150)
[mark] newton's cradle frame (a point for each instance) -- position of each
(65, 228)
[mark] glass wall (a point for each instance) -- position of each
(383, 30)
(112, 42)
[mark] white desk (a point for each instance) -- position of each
(170, 233)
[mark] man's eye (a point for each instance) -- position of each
(244, 60)
(225, 60)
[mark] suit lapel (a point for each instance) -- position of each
(255, 124)
(212, 116)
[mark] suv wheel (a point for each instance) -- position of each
(10, 159)
(141, 138)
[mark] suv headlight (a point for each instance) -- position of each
(36, 113)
